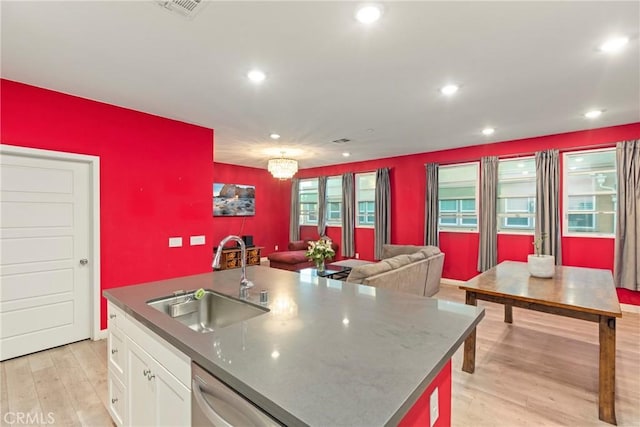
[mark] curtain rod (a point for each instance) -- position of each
(532, 153)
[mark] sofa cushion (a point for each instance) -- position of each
(364, 271)
(288, 257)
(389, 251)
(298, 245)
(397, 261)
(417, 256)
(430, 251)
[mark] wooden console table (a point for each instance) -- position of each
(582, 293)
(230, 257)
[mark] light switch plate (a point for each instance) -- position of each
(175, 242)
(196, 240)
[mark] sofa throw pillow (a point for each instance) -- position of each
(362, 272)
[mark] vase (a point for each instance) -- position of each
(320, 265)
(541, 265)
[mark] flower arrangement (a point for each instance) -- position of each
(319, 251)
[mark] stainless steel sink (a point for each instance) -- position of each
(211, 312)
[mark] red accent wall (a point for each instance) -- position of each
(156, 178)
(419, 414)
(269, 226)
(407, 206)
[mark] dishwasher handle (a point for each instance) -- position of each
(251, 416)
(199, 388)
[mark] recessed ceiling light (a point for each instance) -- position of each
(368, 14)
(614, 44)
(579, 159)
(449, 89)
(593, 114)
(345, 154)
(256, 76)
(520, 165)
(488, 131)
(274, 136)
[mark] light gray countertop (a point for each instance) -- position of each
(329, 353)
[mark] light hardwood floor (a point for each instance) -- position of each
(70, 382)
(540, 371)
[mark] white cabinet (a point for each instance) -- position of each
(149, 379)
(156, 397)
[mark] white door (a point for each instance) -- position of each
(45, 277)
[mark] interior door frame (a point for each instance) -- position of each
(94, 218)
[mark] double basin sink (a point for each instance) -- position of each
(211, 312)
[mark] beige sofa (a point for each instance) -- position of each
(404, 268)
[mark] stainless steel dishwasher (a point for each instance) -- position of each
(213, 403)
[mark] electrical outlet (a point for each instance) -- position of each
(276, 247)
(357, 255)
(433, 407)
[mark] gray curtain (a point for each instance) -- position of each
(431, 205)
(382, 220)
(348, 215)
(547, 206)
(627, 253)
(322, 205)
(294, 212)
(488, 226)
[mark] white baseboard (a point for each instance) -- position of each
(101, 335)
(630, 308)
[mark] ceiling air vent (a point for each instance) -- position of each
(186, 8)
(341, 141)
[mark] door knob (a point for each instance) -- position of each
(84, 261)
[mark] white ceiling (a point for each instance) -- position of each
(526, 68)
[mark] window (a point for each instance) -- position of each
(516, 195)
(458, 197)
(334, 200)
(365, 199)
(308, 198)
(590, 193)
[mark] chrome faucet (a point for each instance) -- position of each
(244, 283)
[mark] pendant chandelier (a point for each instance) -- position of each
(282, 168)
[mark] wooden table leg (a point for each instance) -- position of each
(469, 360)
(607, 386)
(508, 313)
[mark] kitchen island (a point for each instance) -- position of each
(327, 352)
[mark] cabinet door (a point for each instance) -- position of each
(141, 405)
(173, 400)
